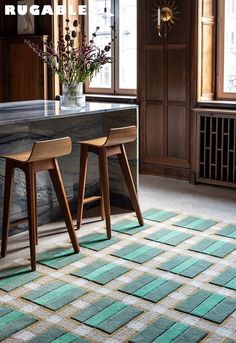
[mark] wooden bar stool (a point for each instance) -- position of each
(104, 147)
(43, 156)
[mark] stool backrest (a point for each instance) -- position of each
(121, 135)
(45, 150)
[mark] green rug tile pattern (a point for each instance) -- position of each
(185, 266)
(138, 253)
(228, 231)
(97, 241)
(158, 215)
(150, 288)
(226, 279)
(211, 306)
(169, 284)
(55, 295)
(169, 237)
(214, 248)
(58, 258)
(165, 330)
(129, 227)
(13, 321)
(101, 272)
(195, 223)
(107, 315)
(55, 335)
(13, 278)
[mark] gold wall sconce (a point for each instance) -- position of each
(164, 15)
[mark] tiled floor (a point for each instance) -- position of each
(209, 201)
(169, 278)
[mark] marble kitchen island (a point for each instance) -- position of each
(22, 123)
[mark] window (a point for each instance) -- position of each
(226, 66)
(120, 77)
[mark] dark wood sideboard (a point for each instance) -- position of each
(24, 74)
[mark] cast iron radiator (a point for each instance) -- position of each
(216, 158)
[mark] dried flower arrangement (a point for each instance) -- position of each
(73, 64)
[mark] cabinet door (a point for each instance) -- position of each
(25, 75)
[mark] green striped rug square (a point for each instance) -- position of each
(58, 258)
(165, 330)
(226, 279)
(169, 237)
(157, 215)
(213, 247)
(129, 227)
(151, 288)
(13, 321)
(228, 231)
(185, 266)
(138, 253)
(195, 223)
(97, 241)
(229, 341)
(101, 272)
(55, 295)
(13, 278)
(55, 335)
(211, 306)
(107, 315)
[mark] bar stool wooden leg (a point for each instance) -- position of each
(103, 167)
(124, 163)
(82, 183)
(102, 211)
(30, 187)
(9, 175)
(62, 199)
(36, 217)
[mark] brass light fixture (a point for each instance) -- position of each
(106, 14)
(165, 14)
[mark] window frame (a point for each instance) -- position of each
(114, 89)
(220, 93)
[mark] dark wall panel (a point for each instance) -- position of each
(155, 129)
(177, 74)
(155, 89)
(179, 34)
(177, 134)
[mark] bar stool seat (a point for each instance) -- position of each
(113, 144)
(42, 156)
(98, 142)
(20, 156)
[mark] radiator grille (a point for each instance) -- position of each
(217, 149)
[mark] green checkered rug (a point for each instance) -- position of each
(171, 281)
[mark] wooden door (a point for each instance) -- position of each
(165, 91)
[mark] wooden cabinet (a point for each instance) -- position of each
(24, 73)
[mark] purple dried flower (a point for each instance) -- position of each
(74, 34)
(67, 37)
(73, 64)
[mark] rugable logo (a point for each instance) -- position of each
(24, 9)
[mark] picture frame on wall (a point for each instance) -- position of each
(25, 23)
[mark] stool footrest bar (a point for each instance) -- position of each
(18, 221)
(92, 199)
